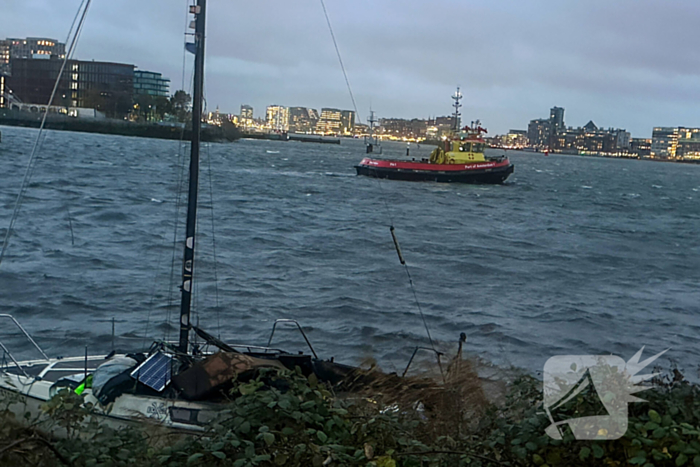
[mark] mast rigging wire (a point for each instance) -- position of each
(84, 5)
(342, 67)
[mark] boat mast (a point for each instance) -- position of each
(457, 105)
(188, 263)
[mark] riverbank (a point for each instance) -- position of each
(288, 419)
(117, 127)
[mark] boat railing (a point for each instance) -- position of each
(415, 351)
(6, 351)
(294, 322)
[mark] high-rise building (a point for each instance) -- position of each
(151, 83)
(556, 117)
(302, 119)
(30, 47)
(246, 117)
(277, 117)
(246, 111)
(103, 86)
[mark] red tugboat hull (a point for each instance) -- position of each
(489, 172)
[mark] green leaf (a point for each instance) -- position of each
(639, 460)
(307, 404)
(245, 427)
(696, 461)
(219, 454)
(654, 416)
(598, 452)
(531, 446)
(269, 438)
(322, 436)
(682, 459)
(281, 459)
(288, 431)
(584, 453)
(194, 458)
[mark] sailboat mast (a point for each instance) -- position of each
(188, 264)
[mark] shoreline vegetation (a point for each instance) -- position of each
(286, 419)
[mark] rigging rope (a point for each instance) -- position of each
(84, 5)
(386, 206)
(342, 67)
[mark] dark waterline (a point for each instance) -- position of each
(572, 255)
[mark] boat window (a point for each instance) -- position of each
(478, 147)
(465, 147)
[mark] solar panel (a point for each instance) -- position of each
(155, 372)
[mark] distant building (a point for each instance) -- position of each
(556, 118)
(246, 117)
(688, 146)
(400, 128)
(151, 83)
(302, 119)
(664, 141)
(277, 118)
(514, 139)
(640, 146)
(347, 121)
(30, 47)
(538, 133)
(330, 122)
(2, 90)
(103, 86)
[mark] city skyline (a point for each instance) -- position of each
(609, 63)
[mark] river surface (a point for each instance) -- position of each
(572, 255)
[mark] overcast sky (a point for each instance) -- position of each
(630, 64)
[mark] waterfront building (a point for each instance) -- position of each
(640, 146)
(664, 141)
(277, 118)
(151, 83)
(347, 121)
(539, 132)
(30, 47)
(246, 116)
(330, 122)
(688, 146)
(2, 90)
(556, 118)
(302, 119)
(103, 86)
(514, 139)
(400, 128)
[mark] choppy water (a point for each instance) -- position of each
(572, 256)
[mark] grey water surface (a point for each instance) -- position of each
(572, 255)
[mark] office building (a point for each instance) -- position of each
(277, 118)
(151, 83)
(246, 117)
(330, 122)
(664, 141)
(302, 119)
(30, 47)
(103, 86)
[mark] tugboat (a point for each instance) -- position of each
(459, 158)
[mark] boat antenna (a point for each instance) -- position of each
(457, 97)
(186, 288)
